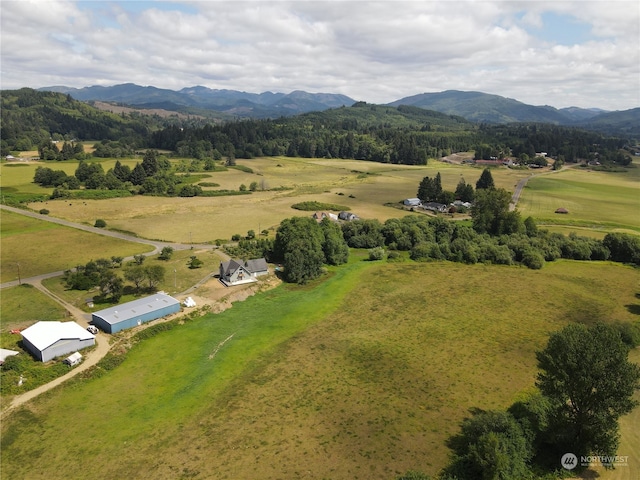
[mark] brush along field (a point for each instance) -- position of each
(362, 375)
(36, 247)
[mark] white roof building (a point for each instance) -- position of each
(48, 340)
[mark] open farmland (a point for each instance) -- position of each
(36, 247)
(601, 200)
(362, 375)
(365, 187)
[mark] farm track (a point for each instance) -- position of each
(98, 231)
(522, 183)
(103, 344)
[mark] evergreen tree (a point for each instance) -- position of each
(485, 181)
(138, 175)
(150, 163)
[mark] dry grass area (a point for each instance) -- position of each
(32, 247)
(365, 187)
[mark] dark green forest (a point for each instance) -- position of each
(403, 135)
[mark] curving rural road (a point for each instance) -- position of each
(99, 231)
(82, 318)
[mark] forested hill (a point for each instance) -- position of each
(405, 134)
(30, 117)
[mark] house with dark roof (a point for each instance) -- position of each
(237, 272)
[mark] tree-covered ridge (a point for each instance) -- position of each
(402, 135)
(405, 135)
(30, 118)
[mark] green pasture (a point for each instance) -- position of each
(364, 374)
(593, 199)
(32, 247)
(23, 305)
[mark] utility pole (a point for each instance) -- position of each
(175, 279)
(19, 279)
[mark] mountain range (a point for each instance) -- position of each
(473, 106)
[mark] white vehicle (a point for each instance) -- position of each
(92, 329)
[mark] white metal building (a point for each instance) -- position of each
(48, 340)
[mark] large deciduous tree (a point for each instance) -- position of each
(590, 382)
(298, 245)
(491, 446)
(490, 213)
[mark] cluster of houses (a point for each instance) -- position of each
(434, 206)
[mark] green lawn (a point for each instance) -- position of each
(363, 375)
(23, 305)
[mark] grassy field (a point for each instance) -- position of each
(606, 201)
(365, 187)
(362, 375)
(24, 305)
(36, 247)
(597, 201)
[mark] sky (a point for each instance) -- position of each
(558, 53)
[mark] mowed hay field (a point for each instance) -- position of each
(37, 247)
(363, 375)
(363, 187)
(606, 200)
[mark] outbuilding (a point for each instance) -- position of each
(137, 312)
(412, 202)
(51, 339)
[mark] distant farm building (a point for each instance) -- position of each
(48, 340)
(348, 216)
(436, 207)
(237, 272)
(412, 202)
(319, 216)
(137, 312)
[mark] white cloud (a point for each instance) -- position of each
(372, 51)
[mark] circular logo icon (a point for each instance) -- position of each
(569, 461)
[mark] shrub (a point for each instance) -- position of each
(376, 253)
(533, 260)
(100, 223)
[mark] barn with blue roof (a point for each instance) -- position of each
(137, 312)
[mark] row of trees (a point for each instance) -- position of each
(304, 246)
(153, 176)
(430, 189)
